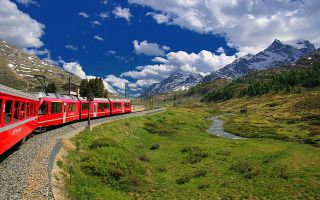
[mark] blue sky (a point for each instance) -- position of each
(141, 42)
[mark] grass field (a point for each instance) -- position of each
(170, 156)
(289, 117)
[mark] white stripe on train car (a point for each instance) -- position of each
(3, 129)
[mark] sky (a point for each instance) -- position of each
(141, 42)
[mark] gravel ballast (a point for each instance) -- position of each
(24, 172)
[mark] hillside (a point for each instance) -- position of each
(18, 69)
(288, 78)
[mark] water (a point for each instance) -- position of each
(217, 129)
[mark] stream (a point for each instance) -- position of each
(217, 129)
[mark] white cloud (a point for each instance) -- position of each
(166, 48)
(71, 47)
(155, 72)
(203, 63)
(117, 83)
(111, 52)
(220, 50)
(103, 15)
(75, 68)
(97, 37)
(248, 25)
(27, 2)
(96, 23)
(159, 60)
(160, 18)
(120, 12)
(150, 49)
(83, 14)
(19, 28)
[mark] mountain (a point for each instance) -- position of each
(278, 53)
(176, 81)
(18, 70)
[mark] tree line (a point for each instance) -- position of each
(288, 81)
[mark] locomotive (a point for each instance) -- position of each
(21, 113)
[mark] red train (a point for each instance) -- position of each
(22, 113)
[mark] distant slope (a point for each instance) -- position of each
(305, 73)
(278, 53)
(175, 82)
(18, 69)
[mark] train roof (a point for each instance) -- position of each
(18, 93)
(54, 96)
(104, 99)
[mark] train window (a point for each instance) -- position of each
(27, 109)
(56, 107)
(8, 112)
(72, 107)
(22, 112)
(116, 105)
(126, 105)
(16, 111)
(43, 108)
(85, 106)
(102, 106)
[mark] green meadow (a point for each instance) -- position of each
(170, 156)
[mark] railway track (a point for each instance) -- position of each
(24, 172)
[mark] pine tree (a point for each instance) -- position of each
(84, 88)
(51, 88)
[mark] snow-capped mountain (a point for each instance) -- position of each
(176, 81)
(278, 53)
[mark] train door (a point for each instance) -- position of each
(95, 110)
(1, 112)
(64, 112)
(122, 105)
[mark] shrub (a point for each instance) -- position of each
(60, 164)
(154, 146)
(161, 169)
(281, 171)
(184, 179)
(246, 168)
(162, 129)
(203, 186)
(187, 177)
(199, 173)
(144, 158)
(101, 142)
(195, 154)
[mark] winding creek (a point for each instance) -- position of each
(217, 129)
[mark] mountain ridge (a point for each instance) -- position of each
(176, 81)
(278, 53)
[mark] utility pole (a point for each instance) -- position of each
(90, 98)
(125, 90)
(69, 79)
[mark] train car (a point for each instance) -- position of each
(18, 117)
(99, 107)
(55, 109)
(127, 106)
(116, 106)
